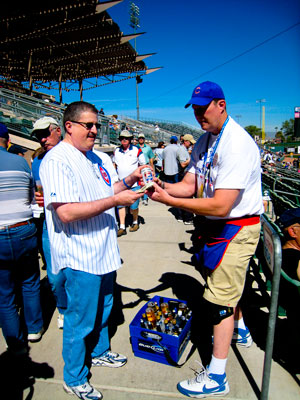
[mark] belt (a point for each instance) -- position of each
(28, 222)
(244, 221)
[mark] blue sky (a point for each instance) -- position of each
(197, 40)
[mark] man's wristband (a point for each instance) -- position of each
(128, 187)
(162, 184)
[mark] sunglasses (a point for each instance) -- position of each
(42, 134)
(123, 138)
(88, 125)
(201, 110)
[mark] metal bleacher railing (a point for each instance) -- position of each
(268, 260)
(283, 187)
(19, 111)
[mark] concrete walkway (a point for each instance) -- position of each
(156, 261)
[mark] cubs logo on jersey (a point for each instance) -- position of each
(105, 175)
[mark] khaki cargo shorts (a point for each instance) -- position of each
(226, 283)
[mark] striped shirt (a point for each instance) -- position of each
(16, 189)
(89, 245)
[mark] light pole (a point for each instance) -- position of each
(262, 125)
(134, 23)
(260, 106)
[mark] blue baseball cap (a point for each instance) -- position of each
(3, 132)
(289, 217)
(204, 93)
(174, 138)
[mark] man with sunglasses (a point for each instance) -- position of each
(48, 132)
(80, 197)
(224, 183)
(126, 159)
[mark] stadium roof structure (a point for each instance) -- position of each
(61, 44)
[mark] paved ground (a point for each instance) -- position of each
(156, 260)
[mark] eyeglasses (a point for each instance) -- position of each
(123, 138)
(88, 125)
(43, 134)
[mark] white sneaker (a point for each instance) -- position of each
(204, 385)
(84, 392)
(242, 337)
(109, 359)
(60, 321)
(35, 337)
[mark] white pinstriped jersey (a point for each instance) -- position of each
(107, 160)
(88, 245)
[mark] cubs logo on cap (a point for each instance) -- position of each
(204, 93)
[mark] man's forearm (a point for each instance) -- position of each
(217, 206)
(125, 183)
(71, 212)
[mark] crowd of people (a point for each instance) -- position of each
(79, 193)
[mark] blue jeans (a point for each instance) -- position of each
(56, 281)
(85, 335)
(19, 269)
(171, 178)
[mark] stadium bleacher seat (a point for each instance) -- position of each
(280, 203)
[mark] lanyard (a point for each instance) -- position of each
(207, 162)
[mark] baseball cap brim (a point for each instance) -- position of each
(199, 101)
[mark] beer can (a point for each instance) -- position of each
(147, 175)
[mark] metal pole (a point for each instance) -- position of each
(137, 99)
(134, 23)
(273, 311)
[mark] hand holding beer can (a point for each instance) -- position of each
(147, 174)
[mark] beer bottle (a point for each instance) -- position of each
(151, 316)
(151, 304)
(164, 308)
(183, 308)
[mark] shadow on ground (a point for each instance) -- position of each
(19, 373)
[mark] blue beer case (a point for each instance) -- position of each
(158, 346)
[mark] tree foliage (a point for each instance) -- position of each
(279, 135)
(253, 130)
(287, 127)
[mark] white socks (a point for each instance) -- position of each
(122, 226)
(217, 366)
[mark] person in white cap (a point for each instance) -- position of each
(48, 132)
(126, 159)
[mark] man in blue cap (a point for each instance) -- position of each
(170, 162)
(222, 187)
